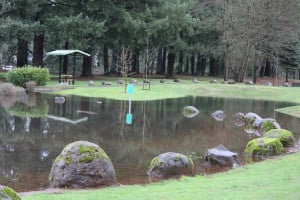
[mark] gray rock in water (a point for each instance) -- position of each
(218, 115)
(91, 83)
(162, 81)
(220, 155)
(189, 111)
(59, 100)
(239, 119)
(177, 80)
(170, 164)
(196, 81)
(213, 81)
(82, 164)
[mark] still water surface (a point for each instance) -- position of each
(32, 134)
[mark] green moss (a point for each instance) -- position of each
(285, 136)
(264, 146)
(11, 193)
(268, 125)
(66, 158)
(155, 162)
(191, 162)
(88, 153)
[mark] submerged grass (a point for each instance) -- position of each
(271, 179)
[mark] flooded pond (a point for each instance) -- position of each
(33, 134)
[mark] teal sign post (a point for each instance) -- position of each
(129, 115)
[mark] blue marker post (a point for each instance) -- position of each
(129, 115)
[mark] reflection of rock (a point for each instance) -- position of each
(82, 164)
(264, 147)
(189, 111)
(8, 193)
(220, 155)
(285, 136)
(239, 119)
(59, 100)
(170, 164)
(218, 115)
(257, 125)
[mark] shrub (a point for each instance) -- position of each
(20, 76)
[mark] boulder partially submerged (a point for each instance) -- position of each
(221, 156)
(286, 137)
(170, 164)
(82, 164)
(7, 193)
(264, 147)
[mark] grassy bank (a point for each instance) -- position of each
(271, 179)
(187, 88)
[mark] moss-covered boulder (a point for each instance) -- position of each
(257, 125)
(7, 193)
(264, 146)
(269, 124)
(285, 136)
(82, 164)
(170, 164)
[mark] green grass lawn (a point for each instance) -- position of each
(185, 88)
(267, 180)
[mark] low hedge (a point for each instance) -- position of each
(20, 76)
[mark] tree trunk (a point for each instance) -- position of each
(193, 64)
(65, 60)
(268, 69)
(105, 60)
(180, 62)
(87, 66)
(38, 50)
(171, 62)
(114, 62)
(255, 70)
(212, 66)
(159, 61)
(187, 65)
(163, 64)
(136, 62)
(22, 53)
(203, 65)
(286, 76)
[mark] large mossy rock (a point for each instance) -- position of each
(7, 193)
(285, 136)
(82, 164)
(264, 147)
(170, 164)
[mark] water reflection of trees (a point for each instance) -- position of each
(158, 126)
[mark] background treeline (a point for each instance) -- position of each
(229, 38)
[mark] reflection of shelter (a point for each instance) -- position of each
(66, 78)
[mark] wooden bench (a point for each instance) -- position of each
(66, 79)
